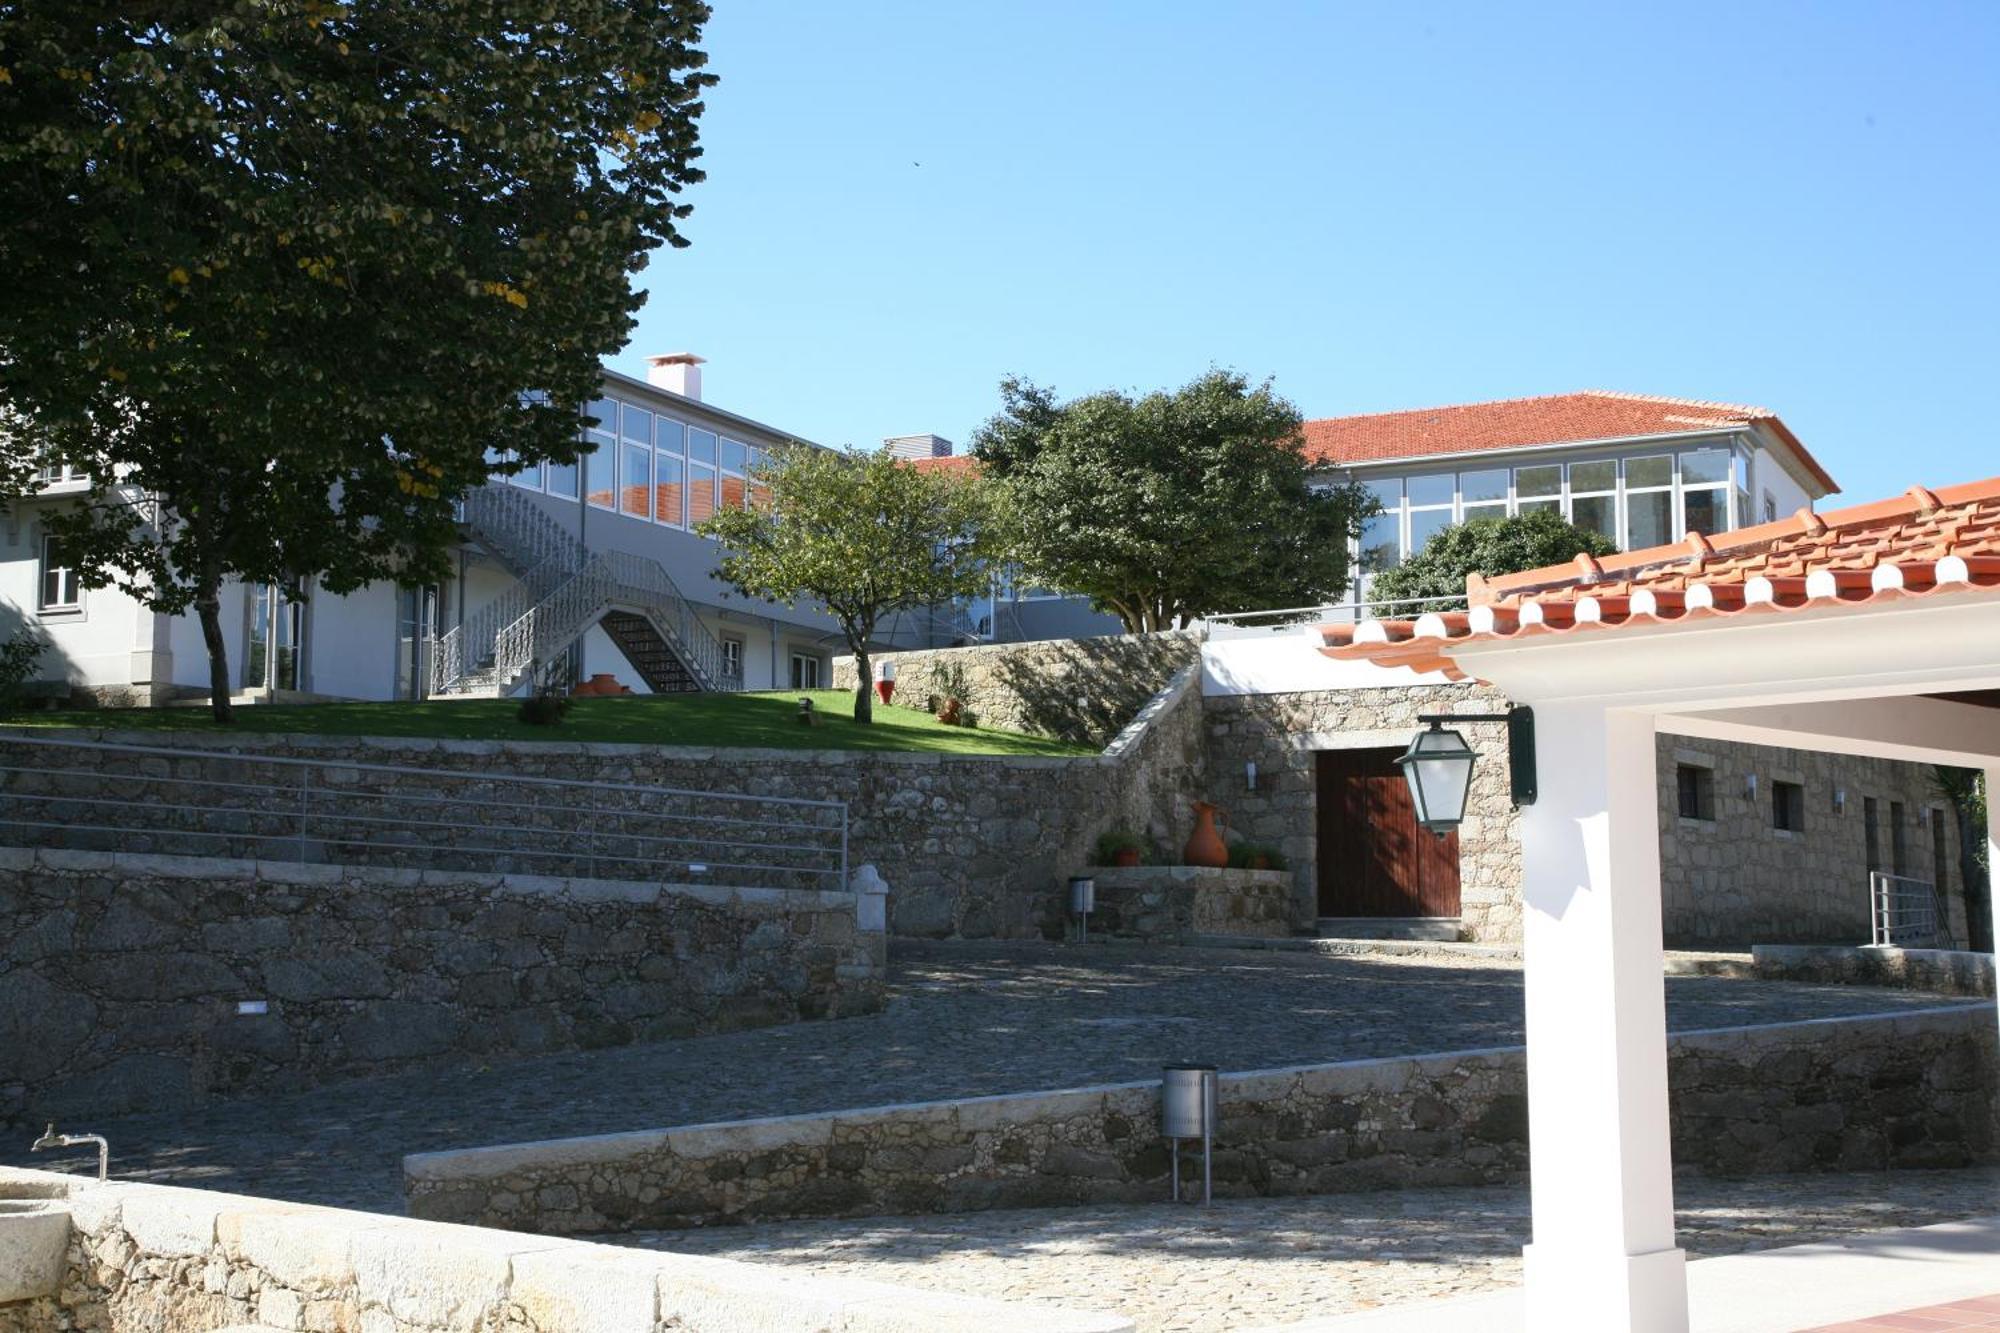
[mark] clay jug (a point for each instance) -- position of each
(1205, 847)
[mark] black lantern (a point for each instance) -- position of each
(1438, 767)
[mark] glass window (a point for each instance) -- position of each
(603, 414)
(1704, 466)
(1649, 519)
(805, 671)
(636, 424)
(732, 659)
(528, 478)
(1432, 490)
(1382, 542)
(60, 590)
(701, 492)
(1482, 487)
(701, 445)
(735, 454)
(561, 479)
(669, 435)
(1705, 510)
(1770, 508)
(1588, 477)
(734, 494)
(1657, 471)
(1788, 807)
(1425, 524)
(637, 482)
(1697, 791)
(1545, 480)
(669, 496)
(1599, 513)
(599, 484)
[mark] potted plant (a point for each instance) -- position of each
(1119, 849)
(1256, 856)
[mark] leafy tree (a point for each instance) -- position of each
(865, 535)
(280, 273)
(1169, 506)
(1486, 546)
(1965, 788)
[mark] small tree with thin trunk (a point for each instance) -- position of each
(865, 535)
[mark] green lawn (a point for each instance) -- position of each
(666, 719)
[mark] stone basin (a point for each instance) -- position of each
(34, 1240)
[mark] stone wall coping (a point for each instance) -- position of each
(1177, 687)
(436, 1274)
(1885, 952)
(208, 869)
(973, 1114)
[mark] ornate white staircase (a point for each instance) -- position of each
(562, 588)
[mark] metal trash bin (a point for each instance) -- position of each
(1188, 1111)
(1082, 902)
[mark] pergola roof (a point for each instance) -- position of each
(1921, 543)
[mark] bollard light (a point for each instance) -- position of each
(1082, 902)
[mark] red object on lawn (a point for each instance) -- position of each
(885, 688)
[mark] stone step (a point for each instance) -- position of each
(1388, 928)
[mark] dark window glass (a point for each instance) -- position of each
(1697, 792)
(1869, 817)
(1899, 841)
(1788, 807)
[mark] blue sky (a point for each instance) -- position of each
(1379, 206)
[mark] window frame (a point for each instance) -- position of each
(47, 565)
(1702, 789)
(1788, 806)
(803, 658)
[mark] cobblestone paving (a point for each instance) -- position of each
(963, 1020)
(1246, 1262)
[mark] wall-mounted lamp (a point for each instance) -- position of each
(1924, 816)
(1840, 800)
(1438, 765)
(1250, 775)
(1750, 786)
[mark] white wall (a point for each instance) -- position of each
(352, 643)
(90, 646)
(1767, 473)
(1291, 663)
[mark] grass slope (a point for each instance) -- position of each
(662, 719)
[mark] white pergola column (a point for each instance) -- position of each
(1992, 790)
(1603, 1254)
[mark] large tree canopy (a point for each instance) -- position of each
(1486, 546)
(864, 535)
(280, 273)
(1169, 506)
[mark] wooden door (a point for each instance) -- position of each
(1374, 859)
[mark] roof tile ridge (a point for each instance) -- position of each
(1739, 409)
(1454, 407)
(1969, 492)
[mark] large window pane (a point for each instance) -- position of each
(1704, 466)
(1491, 484)
(636, 424)
(1705, 510)
(1599, 513)
(1649, 471)
(669, 435)
(1381, 542)
(735, 454)
(1388, 493)
(733, 493)
(1592, 477)
(599, 467)
(1432, 490)
(1530, 506)
(562, 480)
(1485, 511)
(669, 496)
(1544, 480)
(701, 445)
(1426, 523)
(604, 416)
(528, 478)
(1649, 519)
(701, 491)
(637, 482)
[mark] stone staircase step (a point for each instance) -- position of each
(1388, 928)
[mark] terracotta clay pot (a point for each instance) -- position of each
(1205, 847)
(1125, 856)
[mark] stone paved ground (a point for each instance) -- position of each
(1246, 1262)
(963, 1020)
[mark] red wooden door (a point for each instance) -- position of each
(1373, 858)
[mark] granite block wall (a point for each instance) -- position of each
(1167, 904)
(122, 976)
(1902, 1090)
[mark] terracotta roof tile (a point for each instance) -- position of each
(1919, 543)
(948, 463)
(1514, 423)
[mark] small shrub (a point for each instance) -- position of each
(1110, 845)
(951, 711)
(1255, 856)
(17, 662)
(546, 709)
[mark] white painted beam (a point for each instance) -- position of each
(1600, 1164)
(1910, 728)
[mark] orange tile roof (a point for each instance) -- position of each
(1920, 543)
(948, 463)
(1516, 423)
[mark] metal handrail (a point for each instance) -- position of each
(1904, 911)
(117, 796)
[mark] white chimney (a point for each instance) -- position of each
(918, 446)
(676, 372)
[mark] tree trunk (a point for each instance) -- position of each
(864, 684)
(208, 605)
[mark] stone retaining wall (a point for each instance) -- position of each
(145, 1258)
(972, 846)
(1901, 1090)
(1168, 904)
(1075, 689)
(1946, 971)
(121, 975)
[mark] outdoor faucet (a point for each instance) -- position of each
(51, 1139)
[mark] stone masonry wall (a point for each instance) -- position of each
(1167, 904)
(1280, 733)
(121, 975)
(973, 846)
(153, 1259)
(1736, 879)
(1076, 689)
(1901, 1090)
